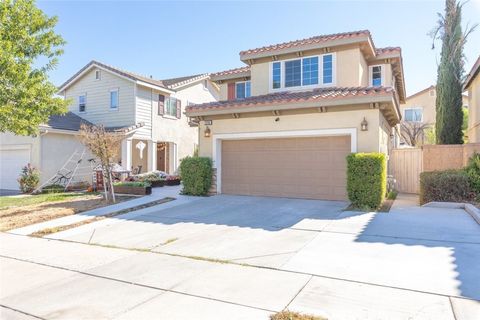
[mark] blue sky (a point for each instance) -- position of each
(170, 39)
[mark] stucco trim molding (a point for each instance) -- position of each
(218, 138)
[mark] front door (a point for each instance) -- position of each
(162, 156)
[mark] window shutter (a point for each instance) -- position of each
(179, 108)
(161, 105)
(231, 91)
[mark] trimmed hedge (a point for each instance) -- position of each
(449, 186)
(196, 174)
(366, 179)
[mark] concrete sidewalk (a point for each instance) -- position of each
(62, 280)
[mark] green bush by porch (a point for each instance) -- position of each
(366, 179)
(196, 175)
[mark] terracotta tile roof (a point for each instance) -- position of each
(307, 41)
(320, 94)
(231, 71)
(387, 50)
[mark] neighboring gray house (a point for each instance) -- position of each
(148, 112)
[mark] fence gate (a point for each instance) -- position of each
(406, 166)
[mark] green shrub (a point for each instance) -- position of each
(29, 178)
(473, 172)
(449, 186)
(366, 179)
(196, 174)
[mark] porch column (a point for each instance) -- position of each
(151, 155)
(127, 153)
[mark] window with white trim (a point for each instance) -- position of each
(413, 114)
(171, 106)
(308, 71)
(114, 99)
(82, 103)
(242, 90)
(97, 74)
(376, 76)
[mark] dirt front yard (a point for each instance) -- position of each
(20, 211)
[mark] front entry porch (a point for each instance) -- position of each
(140, 155)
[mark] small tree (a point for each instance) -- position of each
(413, 132)
(29, 48)
(105, 146)
(450, 74)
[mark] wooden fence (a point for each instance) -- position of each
(405, 165)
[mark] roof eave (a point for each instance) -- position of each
(240, 75)
(332, 43)
(292, 105)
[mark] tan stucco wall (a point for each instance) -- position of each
(424, 101)
(351, 71)
(368, 141)
(474, 111)
(98, 99)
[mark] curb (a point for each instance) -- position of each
(469, 208)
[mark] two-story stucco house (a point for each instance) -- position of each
(148, 112)
(472, 85)
(420, 107)
(286, 121)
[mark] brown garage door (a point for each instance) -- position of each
(310, 168)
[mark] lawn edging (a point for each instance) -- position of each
(473, 211)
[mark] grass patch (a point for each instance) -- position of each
(27, 200)
(47, 231)
(289, 315)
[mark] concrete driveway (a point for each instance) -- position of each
(244, 257)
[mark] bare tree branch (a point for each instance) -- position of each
(413, 132)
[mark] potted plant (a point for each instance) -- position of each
(173, 180)
(135, 187)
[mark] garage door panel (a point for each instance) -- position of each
(11, 163)
(312, 168)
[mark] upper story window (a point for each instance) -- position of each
(276, 75)
(114, 99)
(328, 69)
(432, 93)
(308, 71)
(293, 73)
(82, 103)
(97, 74)
(242, 90)
(172, 107)
(413, 114)
(376, 76)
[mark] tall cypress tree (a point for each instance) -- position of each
(449, 78)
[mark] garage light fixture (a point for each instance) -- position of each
(364, 125)
(207, 132)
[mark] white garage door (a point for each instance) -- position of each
(11, 163)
